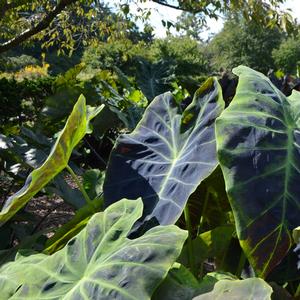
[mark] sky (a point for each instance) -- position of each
(159, 12)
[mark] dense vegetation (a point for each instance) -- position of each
(180, 176)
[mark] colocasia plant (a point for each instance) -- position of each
(230, 177)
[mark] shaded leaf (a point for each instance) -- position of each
(155, 79)
(258, 138)
(279, 293)
(93, 182)
(180, 284)
(61, 188)
(210, 244)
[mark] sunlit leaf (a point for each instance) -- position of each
(168, 154)
(74, 130)
(99, 263)
(251, 288)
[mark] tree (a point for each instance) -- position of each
(65, 21)
(190, 25)
(188, 55)
(287, 56)
(244, 43)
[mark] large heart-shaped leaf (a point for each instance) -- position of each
(99, 263)
(251, 288)
(74, 130)
(258, 140)
(168, 154)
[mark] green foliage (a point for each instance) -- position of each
(253, 288)
(122, 53)
(169, 153)
(16, 63)
(258, 141)
(184, 55)
(154, 79)
(211, 244)
(69, 24)
(100, 262)
(22, 101)
(188, 55)
(180, 284)
(191, 25)
(244, 43)
(287, 56)
(74, 226)
(125, 252)
(75, 129)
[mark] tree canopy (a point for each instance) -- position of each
(287, 56)
(244, 43)
(68, 23)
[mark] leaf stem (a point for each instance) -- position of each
(297, 294)
(81, 188)
(191, 257)
(241, 264)
(201, 223)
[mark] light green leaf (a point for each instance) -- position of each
(67, 231)
(251, 288)
(296, 235)
(99, 263)
(74, 130)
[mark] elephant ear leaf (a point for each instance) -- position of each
(100, 262)
(251, 288)
(76, 127)
(258, 141)
(167, 155)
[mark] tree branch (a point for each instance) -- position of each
(182, 8)
(167, 4)
(43, 24)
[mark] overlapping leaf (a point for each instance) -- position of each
(258, 140)
(210, 244)
(168, 154)
(74, 130)
(99, 263)
(180, 284)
